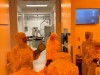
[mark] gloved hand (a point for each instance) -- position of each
(36, 54)
(95, 60)
(48, 62)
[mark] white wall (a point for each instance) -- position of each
(20, 26)
(53, 19)
(20, 18)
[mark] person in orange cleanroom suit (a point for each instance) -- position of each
(86, 45)
(62, 65)
(25, 71)
(52, 46)
(92, 59)
(21, 55)
(43, 72)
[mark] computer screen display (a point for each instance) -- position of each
(87, 16)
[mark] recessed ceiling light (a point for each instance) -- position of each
(36, 5)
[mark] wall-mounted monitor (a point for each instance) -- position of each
(87, 16)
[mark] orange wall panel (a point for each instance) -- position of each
(66, 15)
(4, 9)
(4, 48)
(4, 36)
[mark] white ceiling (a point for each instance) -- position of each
(22, 4)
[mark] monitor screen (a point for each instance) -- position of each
(87, 16)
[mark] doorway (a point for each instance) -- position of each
(35, 18)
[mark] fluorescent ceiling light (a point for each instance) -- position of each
(36, 5)
(38, 15)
